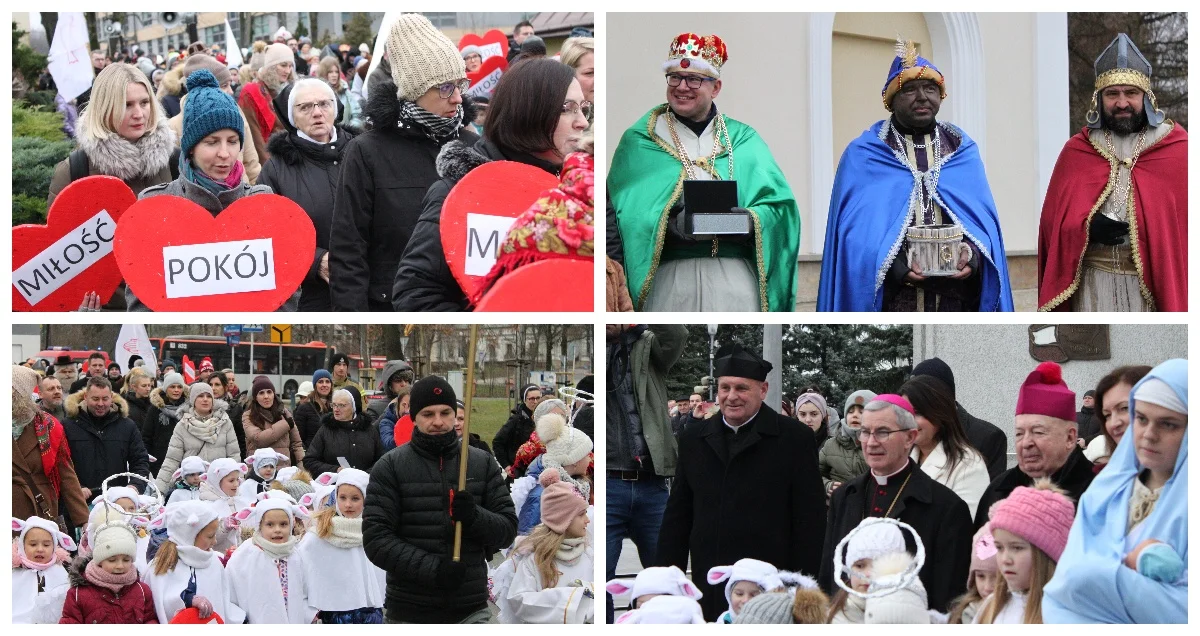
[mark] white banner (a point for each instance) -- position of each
(134, 341)
(70, 60)
(233, 54)
(207, 269)
(490, 50)
(485, 233)
(76, 251)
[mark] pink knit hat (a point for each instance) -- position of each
(560, 505)
(983, 552)
(1039, 515)
(1045, 393)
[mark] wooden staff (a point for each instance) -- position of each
(469, 391)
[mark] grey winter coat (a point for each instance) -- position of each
(841, 459)
(189, 439)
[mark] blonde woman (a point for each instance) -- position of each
(122, 133)
(580, 54)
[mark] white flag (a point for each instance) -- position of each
(134, 341)
(233, 53)
(70, 62)
(385, 29)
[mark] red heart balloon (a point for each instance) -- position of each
(512, 291)
(71, 250)
(484, 80)
(177, 257)
(480, 209)
(487, 43)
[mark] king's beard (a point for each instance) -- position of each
(1122, 125)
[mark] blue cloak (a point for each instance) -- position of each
(1091, 584)
(868, 214)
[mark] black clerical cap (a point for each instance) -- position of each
(734, 361)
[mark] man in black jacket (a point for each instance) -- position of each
(985, 437)
(747, 485)
(895, 487)
(411, 511)
(103, 440)
(1086, 422)
(95, 369)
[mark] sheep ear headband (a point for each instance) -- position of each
(251, 517)
(196, 467)
(221, 468)
(656, 580)
(349, 476)
(24, 526)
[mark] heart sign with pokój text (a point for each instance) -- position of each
(494, 43)
(524, 288)
(484, 80)
(176, 256)
(55, 264)
(479, 211)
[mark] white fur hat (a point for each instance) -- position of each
(564, 445)
(666, 610)
(185, 520)
(873, 540)
(251, 517)
(191, 465)
(219, 468)
(761, 573)
(60, 540)
(287, 473)
(668, 580)
(331, 481)
(905, 604)
(265, 457)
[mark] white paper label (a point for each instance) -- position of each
(485, 86)
(1045, 336)
(485, 233)
(208, 269)
(70, 255)
(490, 50)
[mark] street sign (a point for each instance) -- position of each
(232, 339)
(281, 334)
(252, 329)
(231, 330)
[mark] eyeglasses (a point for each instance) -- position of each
(341, 406)
(447, 89)
(693, 81)
(307, 107)
(573, 108)
(881, 434)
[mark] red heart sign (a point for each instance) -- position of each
(252, 257)
(484, 80)
(512, 291)
(490, 44)
(55, 264)
(479, 211)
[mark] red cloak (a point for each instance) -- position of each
(1160, 199)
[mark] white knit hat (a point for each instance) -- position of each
(665, 610)
(668, 580)
(905, 604)
(277, 53)
(564, 445)
(421, 56)
(873, 540)
(113, 538)
(760, 573)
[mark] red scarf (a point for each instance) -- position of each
(51, 440)
(1160, 196)
(262, 106)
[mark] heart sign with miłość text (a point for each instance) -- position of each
(484, 80)
(479, 211)
(491, 44)
(176, 256)
(55, 264)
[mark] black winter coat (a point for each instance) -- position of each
(101, 447)
(516, 431)
(138, 408)
(1074, 477)
(763, 501)
(355, 440)
(988, 439)
(407, 528)
(307, 173)
(308, 422)
(384, 176)
(940, 517)
(423, 279)
(585, 422)
(159, 426)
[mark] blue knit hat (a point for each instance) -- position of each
(207, 110)
(321, 373)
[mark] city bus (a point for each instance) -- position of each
(298, 360)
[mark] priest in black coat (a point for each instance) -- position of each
(895, 487)
(747, 485)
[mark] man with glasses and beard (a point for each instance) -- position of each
(671, 264)
(1113, 233)
(913, 177)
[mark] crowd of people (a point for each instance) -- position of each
(901, 511)
(370, 158)
(146, 499)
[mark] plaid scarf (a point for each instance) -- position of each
(51, 440)
(435, 127)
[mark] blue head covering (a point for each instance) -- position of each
(908, 66)
(1091, 584)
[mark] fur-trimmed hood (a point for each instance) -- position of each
(291, 149)
(74, 403)
(171, 83)
(127, 160)
(76, 569)
(158, 398)
(383, 106)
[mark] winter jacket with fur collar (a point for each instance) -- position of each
(92, 604)
(139, 164)
(379, 198)
(208, 438)
(423, 280)
(104, 446)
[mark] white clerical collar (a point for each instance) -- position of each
(735, 429)
(332, 136)
(882, 481)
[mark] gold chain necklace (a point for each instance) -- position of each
(1123, 192)
(897, 498)
(686, 160)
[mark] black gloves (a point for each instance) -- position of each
(450, 574)
(462, 507)
(1107, 231)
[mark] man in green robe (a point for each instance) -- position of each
(667, 268)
